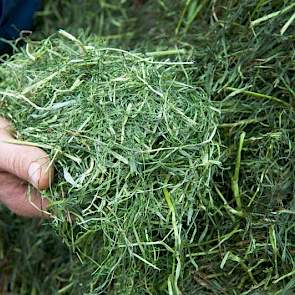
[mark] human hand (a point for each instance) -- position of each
(20, 165)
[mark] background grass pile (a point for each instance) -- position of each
(244, 60)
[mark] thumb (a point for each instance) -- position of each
(27, 163)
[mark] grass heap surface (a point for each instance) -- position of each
(244, 239)
(133, 150)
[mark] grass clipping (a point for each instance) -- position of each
(133, 151)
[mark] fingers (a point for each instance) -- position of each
(27, 163)
(15, 195)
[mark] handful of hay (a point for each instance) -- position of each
(132, 143)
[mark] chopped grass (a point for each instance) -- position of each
(133, 149)
(238, 238)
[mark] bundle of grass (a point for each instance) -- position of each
(134, 155)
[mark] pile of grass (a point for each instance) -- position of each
(240, 238)
(133, 149)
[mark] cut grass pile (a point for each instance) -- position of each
(225, 226)
(133, 149)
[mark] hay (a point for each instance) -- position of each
(242, 232)
(133, 150)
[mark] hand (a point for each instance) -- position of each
(19, 166)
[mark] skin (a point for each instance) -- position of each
(24, 172)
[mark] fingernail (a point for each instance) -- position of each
(34, 173)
